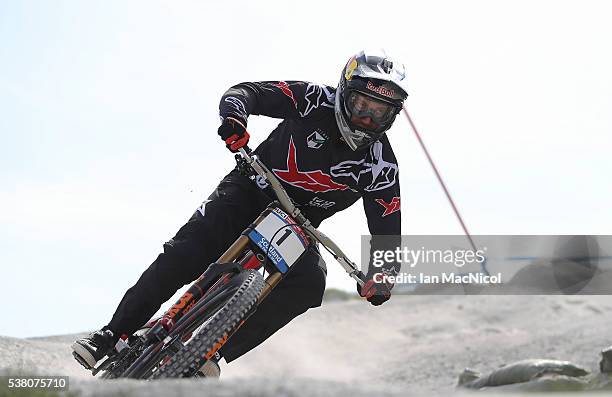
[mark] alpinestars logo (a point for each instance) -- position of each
(313, 181)
(391, 207)
(316, 96)
(316, 139)
(382, 173)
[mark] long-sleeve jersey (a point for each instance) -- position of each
(306, 153)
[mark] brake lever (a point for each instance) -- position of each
(244, 168)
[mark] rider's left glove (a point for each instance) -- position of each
(234, 134)
(376, 293)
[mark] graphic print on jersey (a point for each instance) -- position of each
(313, 181)
(382, 173)
(314, 98)
(238, 105)
(202, 208)
(317, 202)
(284, 87)
(391, 207)
(316, 139)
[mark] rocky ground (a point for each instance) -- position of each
(412, 345)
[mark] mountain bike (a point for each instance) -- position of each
(205, 317)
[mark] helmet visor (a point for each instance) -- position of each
(368, 113)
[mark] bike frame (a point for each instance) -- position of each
(182, 316)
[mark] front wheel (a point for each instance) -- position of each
(216, 330)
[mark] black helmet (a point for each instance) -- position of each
(371, 86)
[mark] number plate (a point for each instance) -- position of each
(288, 241)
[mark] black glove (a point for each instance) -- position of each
(234, 133)
(375, 293)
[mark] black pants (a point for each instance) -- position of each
(209, 232)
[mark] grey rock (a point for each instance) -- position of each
(520, 372)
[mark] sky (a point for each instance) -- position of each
(109, 111)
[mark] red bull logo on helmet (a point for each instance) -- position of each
(380, 90)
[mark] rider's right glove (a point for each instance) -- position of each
(375, 293)
(234, 133)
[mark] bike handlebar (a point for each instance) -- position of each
(288, 206)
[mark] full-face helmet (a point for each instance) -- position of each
(370, 94)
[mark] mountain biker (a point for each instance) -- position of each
(329, 151)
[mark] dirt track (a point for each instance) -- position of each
(413, 344)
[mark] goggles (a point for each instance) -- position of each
(381, 112)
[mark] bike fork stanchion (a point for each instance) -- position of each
(234, 250)
(238, 246)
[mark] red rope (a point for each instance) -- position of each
(448, 196)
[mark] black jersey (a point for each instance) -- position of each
(305, 151)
